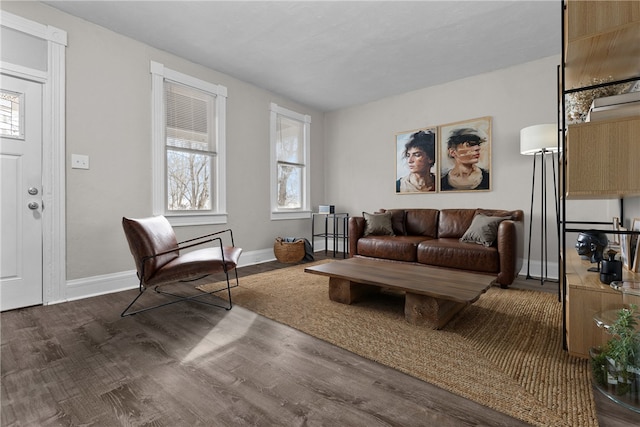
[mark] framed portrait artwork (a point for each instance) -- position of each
(465, 155)
(416, 161)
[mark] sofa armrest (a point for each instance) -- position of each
(356, 231)
(510, 242)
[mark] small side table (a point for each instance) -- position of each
(334, 231)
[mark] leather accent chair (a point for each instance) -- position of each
(161, 260)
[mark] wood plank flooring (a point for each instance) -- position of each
(79, 363)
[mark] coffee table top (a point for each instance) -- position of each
(454, 285)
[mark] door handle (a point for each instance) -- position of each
(33, 205)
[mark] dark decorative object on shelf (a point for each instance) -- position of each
(611, 268)
(592, 243)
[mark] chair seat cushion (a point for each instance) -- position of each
(195, 264)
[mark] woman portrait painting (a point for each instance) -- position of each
(466, 156)
(416, 157)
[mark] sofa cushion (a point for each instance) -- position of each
(422, 222)
(397, 220)
(378, 224)
(398, 248)
(448, 252)
(483, 229)
(454, 222)
(517, 215)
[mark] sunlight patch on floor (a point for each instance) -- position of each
(228, 330)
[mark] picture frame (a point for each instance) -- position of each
(624, 249)
(416, 170)
(465, 155)
(615, 240)
(635, 245)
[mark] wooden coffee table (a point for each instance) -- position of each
(433, 295)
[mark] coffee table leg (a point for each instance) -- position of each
(346, 291)
(428, 311)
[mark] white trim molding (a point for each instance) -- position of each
(304, 212)
(53, 149)
(219, 215)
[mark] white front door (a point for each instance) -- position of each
(21, 193)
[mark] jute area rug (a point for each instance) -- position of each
(504, 351)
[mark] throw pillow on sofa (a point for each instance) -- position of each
(378, 224)
(483, 229)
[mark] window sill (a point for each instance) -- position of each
(277, 216)
(183, 220)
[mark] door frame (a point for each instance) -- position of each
(53, 149)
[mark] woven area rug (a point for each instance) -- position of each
(504, 351)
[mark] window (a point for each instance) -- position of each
(11, 114)
(290, 164)
(188, 148)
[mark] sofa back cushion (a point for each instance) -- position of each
(454, 222)
(516, 215)
(421, 222)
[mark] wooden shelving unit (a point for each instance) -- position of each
(602, 39)
(602, 159)
(601, 43)
(587, 296)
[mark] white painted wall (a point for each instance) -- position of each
(360, 148)
(353, 165)
(109, 119)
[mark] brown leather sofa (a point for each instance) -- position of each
(432, 237)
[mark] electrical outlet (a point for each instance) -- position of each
(79, 161)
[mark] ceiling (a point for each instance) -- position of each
(334, 54)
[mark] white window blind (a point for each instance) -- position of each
(188, 125)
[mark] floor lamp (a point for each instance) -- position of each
(541, 140)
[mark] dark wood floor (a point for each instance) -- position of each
(80, 363)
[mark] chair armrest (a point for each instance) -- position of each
(228, 230)
(196, 241)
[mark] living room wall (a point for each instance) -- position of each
(353, 164)
(108, 104)
(360, 147)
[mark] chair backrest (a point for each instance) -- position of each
(149, 236)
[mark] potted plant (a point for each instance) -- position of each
(617, 364)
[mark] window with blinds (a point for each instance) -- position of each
(190, 147)
(188, 120)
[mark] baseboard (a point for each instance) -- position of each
(116, 282)
(100, 285)
(535, 270)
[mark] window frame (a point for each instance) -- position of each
(218, 213)
(304, 211)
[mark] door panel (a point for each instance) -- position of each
(20, 193)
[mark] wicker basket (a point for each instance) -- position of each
(289, 252)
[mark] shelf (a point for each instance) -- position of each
(331, 231)
(602, 158)
(586, 296)
(602, 41)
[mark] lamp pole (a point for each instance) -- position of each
(540, 140)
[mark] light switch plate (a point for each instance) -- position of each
(79, 161)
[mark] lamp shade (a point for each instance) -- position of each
(539, 139)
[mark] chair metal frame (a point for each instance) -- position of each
(181, 298)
